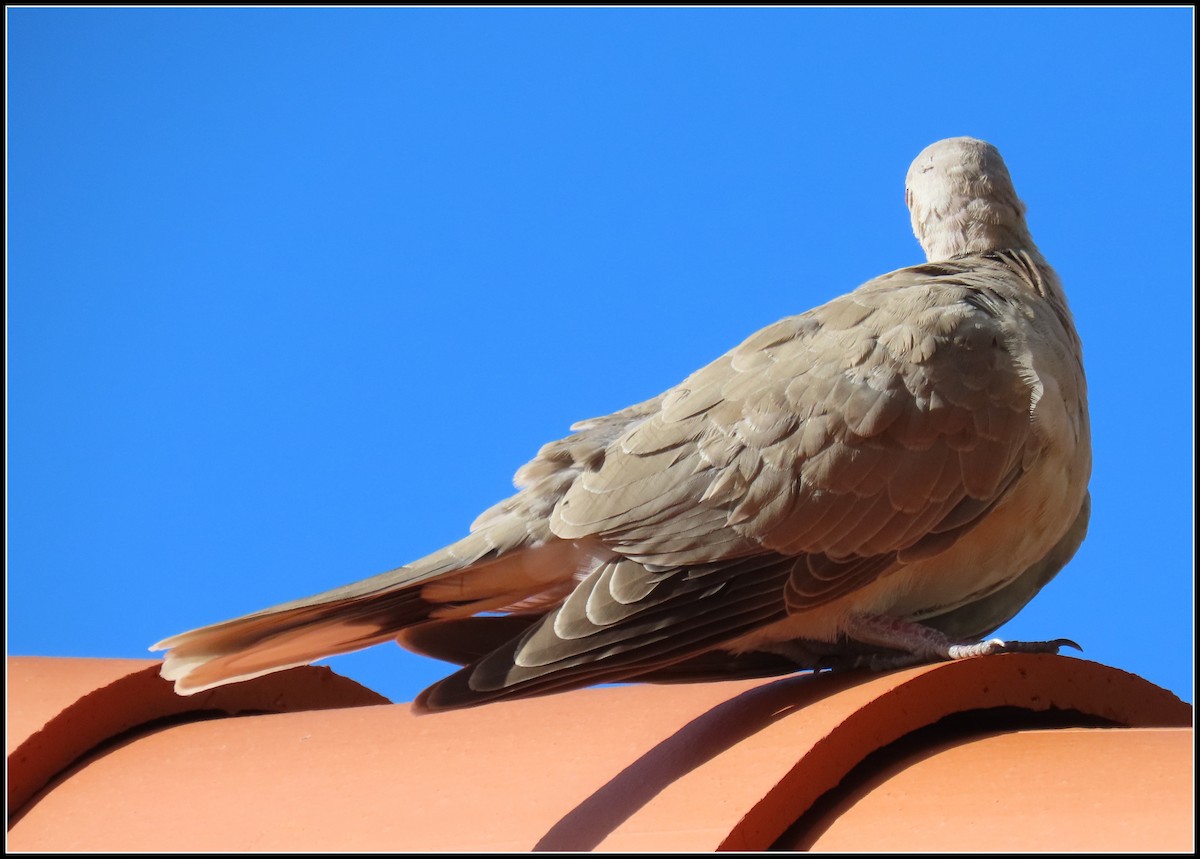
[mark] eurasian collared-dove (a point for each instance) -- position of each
(882, 480)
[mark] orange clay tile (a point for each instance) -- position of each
(1015, 752)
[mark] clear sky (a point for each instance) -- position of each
(293, 292)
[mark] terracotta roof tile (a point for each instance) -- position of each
(992, 753)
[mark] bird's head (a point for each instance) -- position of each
(962, 201)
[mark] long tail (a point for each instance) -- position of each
(283, 637)
(491, 569)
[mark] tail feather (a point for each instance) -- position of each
(258, 644)
(492, 568)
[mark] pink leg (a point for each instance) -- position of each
(917, 643)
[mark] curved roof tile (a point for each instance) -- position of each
(102, 756)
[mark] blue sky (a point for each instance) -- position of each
(293, 292)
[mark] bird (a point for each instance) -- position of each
(883, 480)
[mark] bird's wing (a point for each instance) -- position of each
(880, 425)
(621, 622)
(465, 639)
(819, 454)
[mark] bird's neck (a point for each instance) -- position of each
(980, 227)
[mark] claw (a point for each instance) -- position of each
(1035, 646)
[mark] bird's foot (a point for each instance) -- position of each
(996, 645)
(906, 643)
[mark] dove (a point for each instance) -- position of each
(883, 480)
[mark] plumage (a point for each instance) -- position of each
(914, 452)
